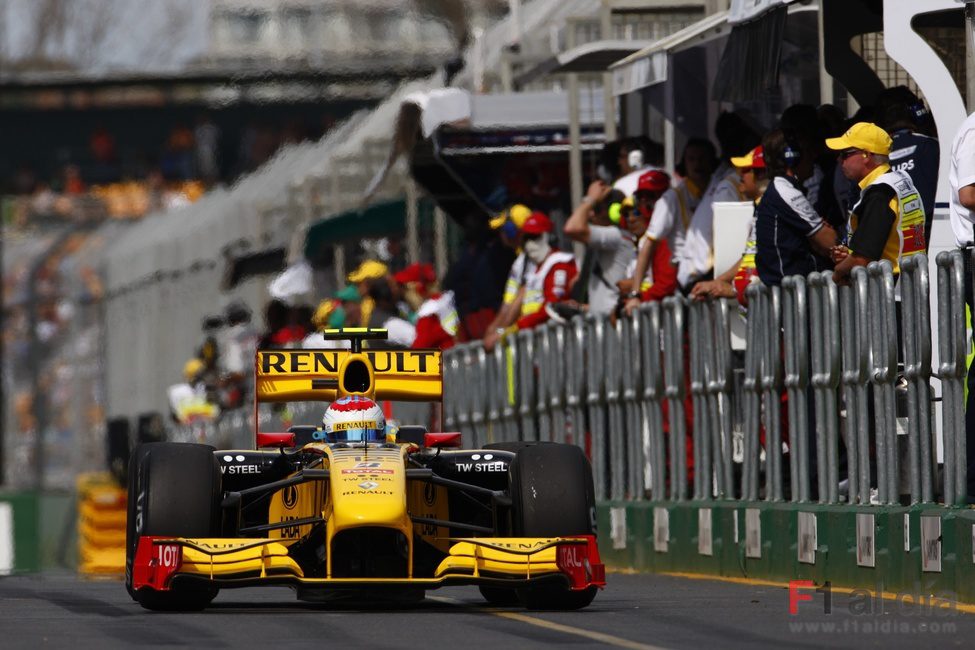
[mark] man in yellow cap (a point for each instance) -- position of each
(509, 224)
(362, 277)
(888, 220)
(368, 270)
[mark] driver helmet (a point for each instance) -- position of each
(354, 418)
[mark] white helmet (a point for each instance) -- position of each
(354, 419)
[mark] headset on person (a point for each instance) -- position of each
(918, 110)
(791, 151)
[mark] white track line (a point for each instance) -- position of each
(601, 637)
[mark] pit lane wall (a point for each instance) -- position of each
(37, 531)
(921, 550)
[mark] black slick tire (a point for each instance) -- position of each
(552, 495)
(174, 490)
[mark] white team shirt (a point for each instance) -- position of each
(667, 222)
(696, 257)
(961, 172)
(613, 250)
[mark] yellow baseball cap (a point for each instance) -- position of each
(192, 368)
(369, 270)
(862, 135)
(517, 213)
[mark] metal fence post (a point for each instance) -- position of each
(461, 391)
(558, 349)
(595, 374)
(576, 390)
(543, 380)
(451, 388)
(952, 348)
(632, 371)
(752, 389)
(653, 393)
(917, 371)
(718, 390)
(675, 393)
(795, 345)
(771, 384)
(508, 383)
(883, 375)
(701, 434)
(826, 367)
(525, 383)
(493, 396)
(856, 360)
(480, 385)
(613, 379)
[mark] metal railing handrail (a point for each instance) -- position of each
(832, 377)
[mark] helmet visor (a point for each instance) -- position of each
(344, 433)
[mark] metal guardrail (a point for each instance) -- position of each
(953, 345)
(833, 397)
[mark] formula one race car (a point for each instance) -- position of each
(355, 509)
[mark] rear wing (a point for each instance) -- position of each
(325, 375)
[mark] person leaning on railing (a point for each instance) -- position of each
(553, 275)
(733, 282)
(888, 220)
(660, 278)
(790, 237)
(509, 224)
(961, 182)
(671, 214)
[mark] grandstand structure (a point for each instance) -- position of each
(285, 71)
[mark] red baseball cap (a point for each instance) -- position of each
(653, 181)
(754, 159)
(537, 224)
(416, 272)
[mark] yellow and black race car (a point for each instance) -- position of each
(389, 518)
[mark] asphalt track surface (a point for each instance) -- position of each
(635, 611)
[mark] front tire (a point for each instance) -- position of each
(552, 495)
(174, 491)
(499, 596)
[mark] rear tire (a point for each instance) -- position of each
(552, 495)
(174, 490)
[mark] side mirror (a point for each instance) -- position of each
(451, 439)
(275, 440)
(412, 433)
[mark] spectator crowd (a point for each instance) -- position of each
(828, 194)
(126, 181)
